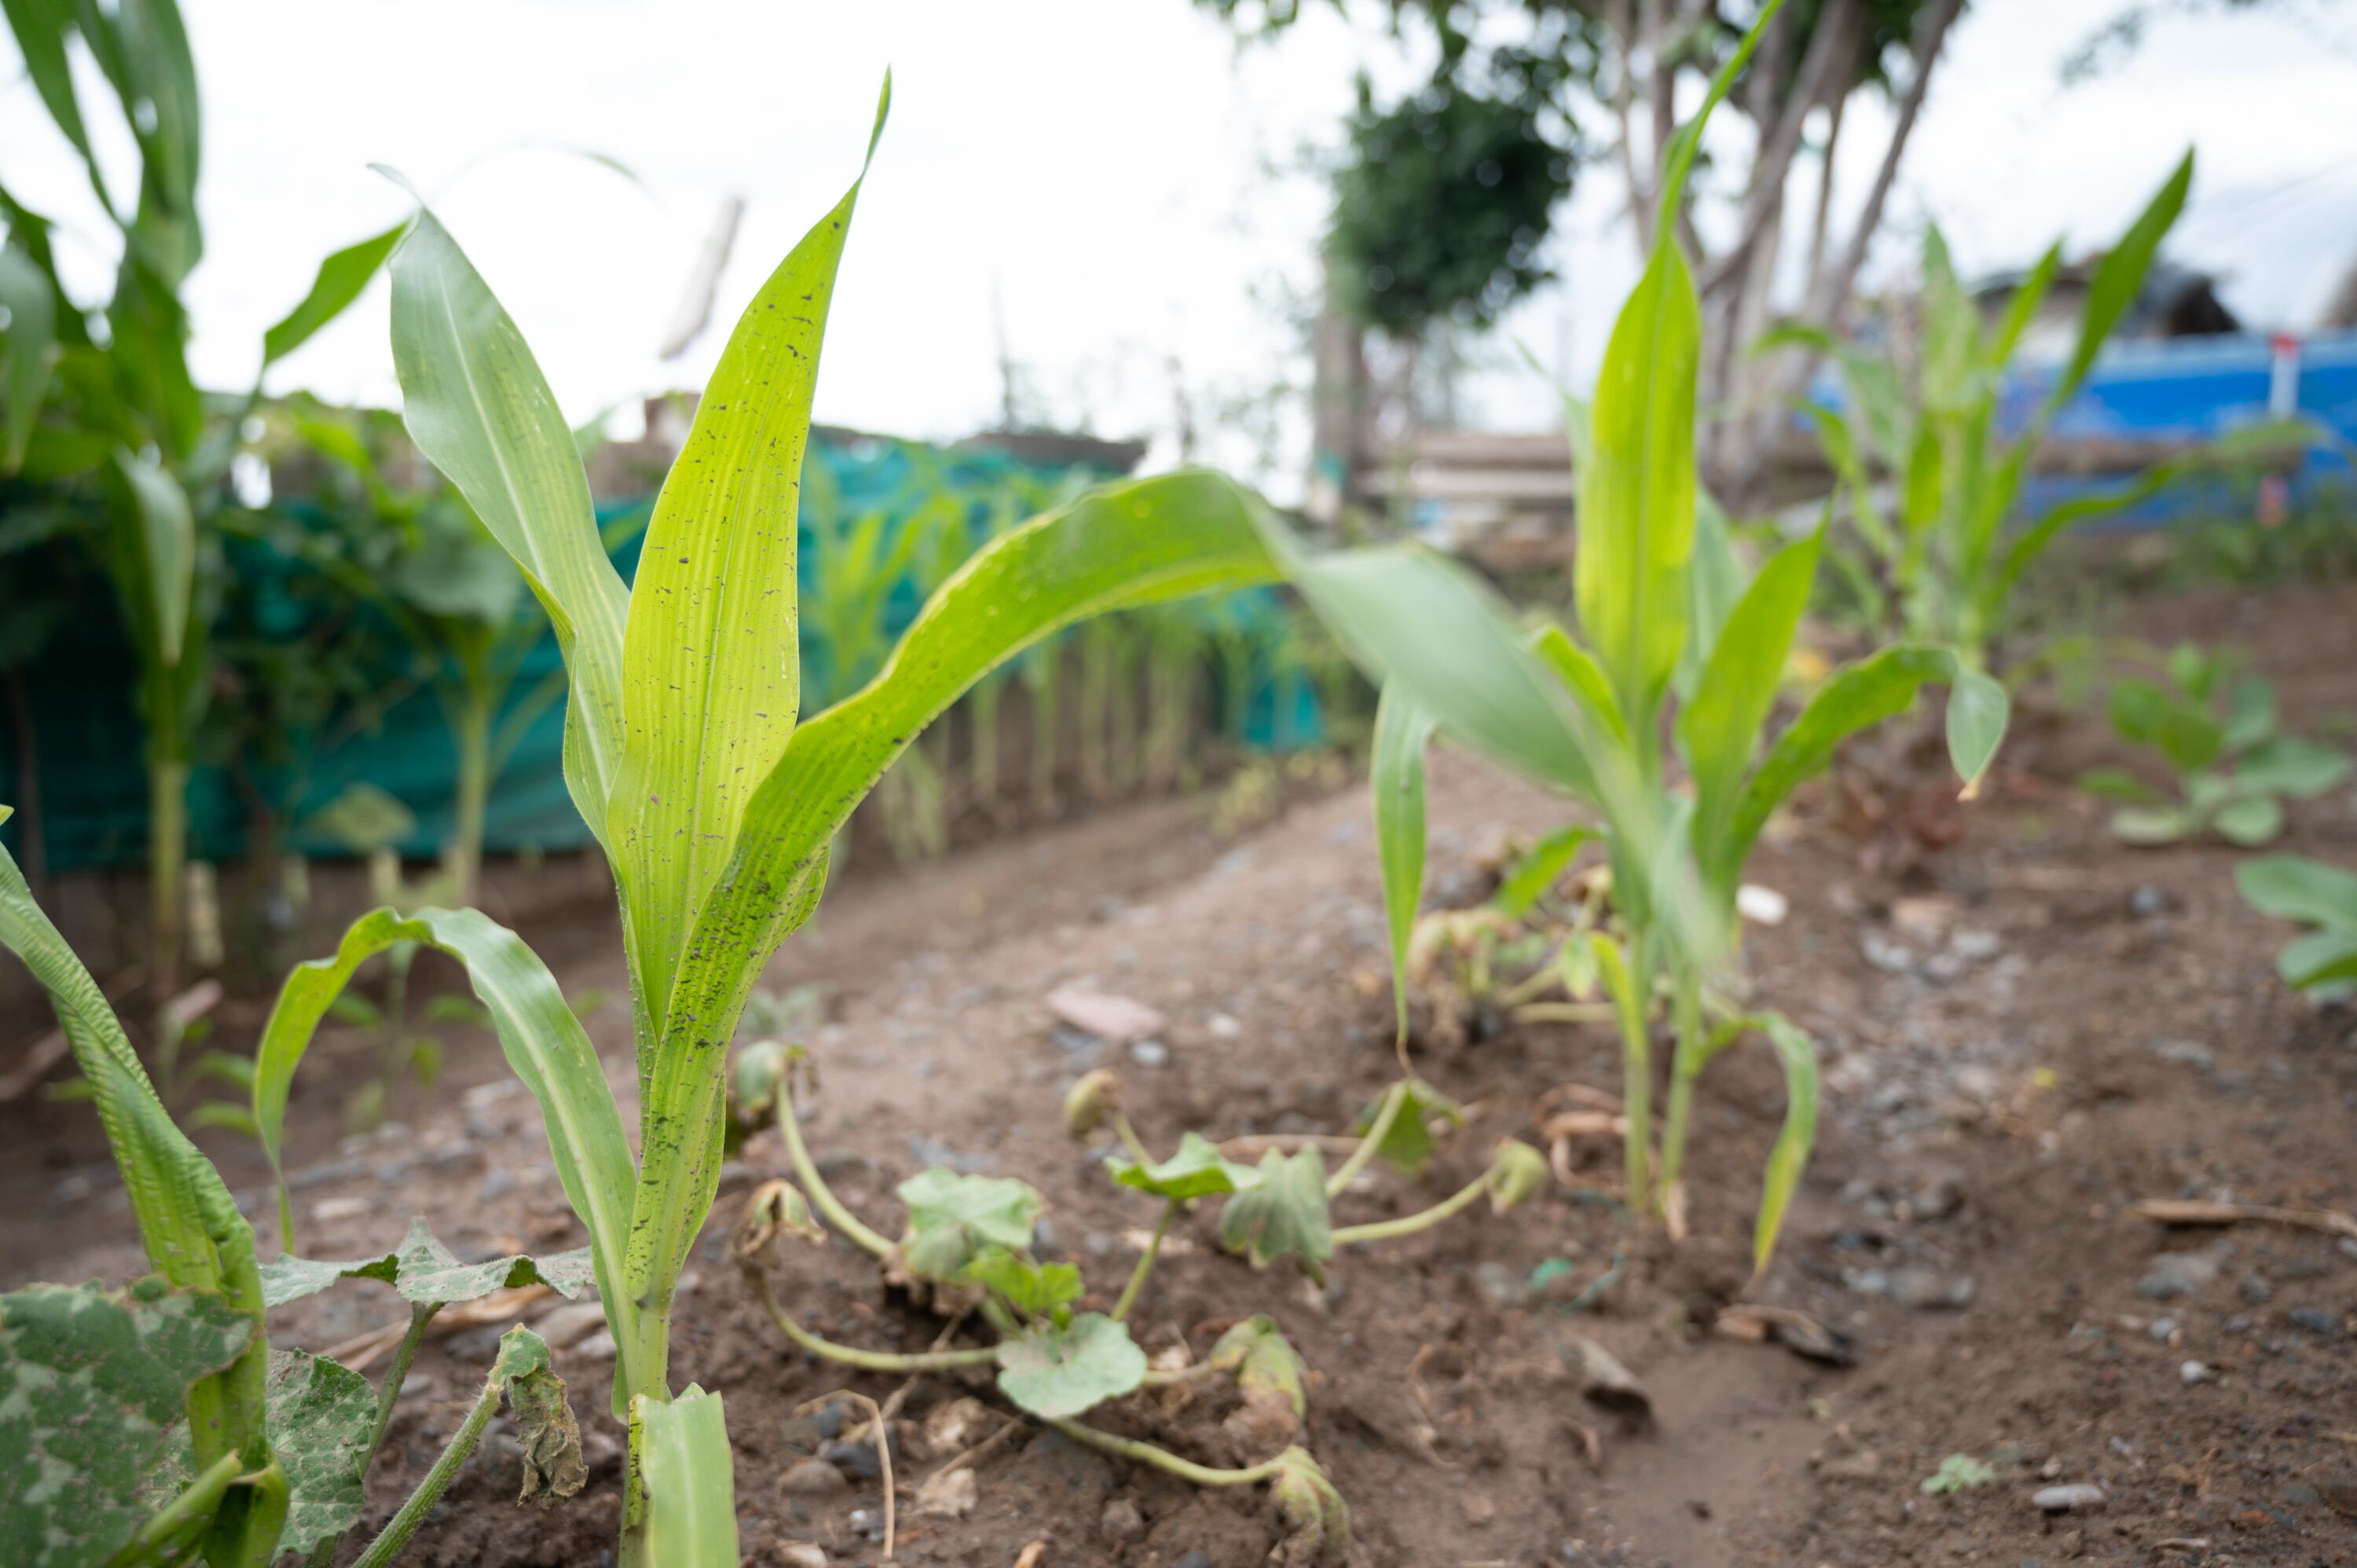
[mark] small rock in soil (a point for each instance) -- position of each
(2173, 1275)
(2185, 1053)
(1150, 1053)
(2162, 1328)
(800, 1554)
(2316, 1321)
(1121, 1523)
(569, 1323)
(800, 1434)
(951, 1496)
(2192, 1372)
(951, 1429)
(1925, 1290)
(868, 1522)
(1193, 1559)
(856, 1460)
(599, 1346)
(812, 1479)
(2255, 1291)
(1116, 1020)
(2069, 1499)
(1476, 1508)
(1605, 1381)
(1863, 1465)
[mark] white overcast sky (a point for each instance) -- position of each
(1112, 180)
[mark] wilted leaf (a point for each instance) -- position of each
(1263, 1361)
(553, 1463)
(1197, 1170)
(92, 1385)
(1408, 1142)
(427, 1273)
(1516, 1171)
(1062, 1371)
(1283, 1217)
(953, 1218)
(1317, 1520)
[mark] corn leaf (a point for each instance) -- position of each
(1527, 882)
(1791, 1154)
(688, 1469)
(1637, 492)
(543, 1042)
(341, 278)
(28, 351)
(190, 1227)
(154, 542)
(1127, 546)
(1402, 731)
(2119, 277)
(1720, 726)
(478, 406)
(710, 674)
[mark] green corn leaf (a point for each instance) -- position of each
(475, 402)
(2022, 308)
(428, 1274)
(41, 29)
(1396, 781)
(711, 679)
(1583, 677)
(342, 277)
(190, 1227)
(1197, 1170)
(2293, 887)
(1854, 697)
(1059, 1372)
(545, 1044)
(1952, 380)
(93, 1385)
(29, 351)
(1124, 547)
(1677, 159)
(1527, 882)
(1637, 493)
(690, 1482)
(1719, 728)
(1285, 1216)
(954, 1220)
(1715, 584)
(153, 544)
(2119, 278)
(1791, 1155)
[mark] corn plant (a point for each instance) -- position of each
(111, 415)
(157, 1424)
(684, 756)
(1942, 568)
(1061, 1351)
(1658, 613)
(2217, 732)
(2293, 887)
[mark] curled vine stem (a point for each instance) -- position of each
(1163, 1459)
(888, 1361)
(1409, 1224)
(1395, 1101)
(822, 1196)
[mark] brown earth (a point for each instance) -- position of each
(2022, 1035)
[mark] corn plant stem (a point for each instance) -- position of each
(1144, 1263)
(1686, 1067)
(849, 1356)
(1162, 1459)
(472, 730)
(1409, 1224)
(412, 1513)
(167, 855)
(1637, 1070)
(195, 1504)
(822, 1196)
(1395, 1099)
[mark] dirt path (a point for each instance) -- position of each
(2045, 1030)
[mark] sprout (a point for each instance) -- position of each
(1093, 1102)
(1516, 1171)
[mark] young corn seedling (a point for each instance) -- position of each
(683, 754)
(2217, 732)
(158, 1424)
(967, 1248)
(1669, 639)
(1935, 471)
(2322, 962)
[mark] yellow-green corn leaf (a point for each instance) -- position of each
(154, 546)
(341, 278)
(1127, 545)
(543, 1042)
(1791, 1154)
(1396, 769)
(1678, 158)
(1715, 584)
(478, 406)
(29, 349)
(1531, 877)
(1637, 492)
(688, 1470)
(1636, 1046)
(2119, 276)
(1719, 727)
(1854, 697)
(711, 674)
(2022, 308)
(1581, 676)
(191, 1228)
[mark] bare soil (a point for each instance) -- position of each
(2023, 1035)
